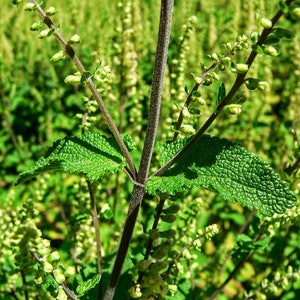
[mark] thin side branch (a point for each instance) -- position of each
(67, 291)
(80, 67)
(237, 84)
(195, 88)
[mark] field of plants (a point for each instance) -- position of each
(221, 221)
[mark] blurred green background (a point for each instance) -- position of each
(37, 108)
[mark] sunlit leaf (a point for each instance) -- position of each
(225, 167)
(91, 154)
(87, 285)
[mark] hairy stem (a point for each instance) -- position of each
(80, 67)
(237, 84)
(154, 113)
(159, 210)
(97, 232)
(157, 85)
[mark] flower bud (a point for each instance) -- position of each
(211, 230)
(200, 101)
(228, 46)
(215, 57)
(16, 2)
(188, 129)
(172, 289)
(135, 291)
(262, 85)
(295, 277)
(61, 295)
(75, 39)
(241, 68)
(197, 245)
(215, 76)
(70, 271)
(186, 254)
(58, 56)
(222, 66)
(46, 243)
(289, 269)
(270, 50)
(36, 26)
(185, 112)
(73, 79)
(55, 256)
(59, 277)
(296, 12)
(39, 279)
(198, 79)
(207, 81)
(266, 23)
(234, 109)
(254, 36)
(51, 11)
(29, 7)
(45, 33)
(48, 268)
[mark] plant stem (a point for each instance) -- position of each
(242, 229)
(235, 270)
(79, 66)
(25, 286)
(157, 85)
(154, 113)
(97, 232)
(159, 210)
(237, 84)
(231, 275)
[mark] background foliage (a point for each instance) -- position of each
(37, 108)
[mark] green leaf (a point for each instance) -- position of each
(252, 83)
(85, 75)
(221, 92)
(272, 39)
(244, 245)
(87, 285)
(283, 6)
(91, 154)
(284, 33)
(225, 167)
(49, 285)
(257, 48)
